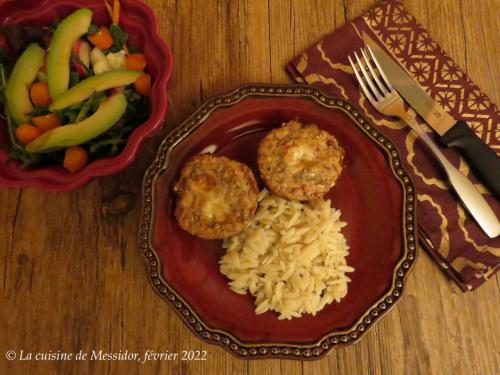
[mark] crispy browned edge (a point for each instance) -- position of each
(247, 172)
(332, 340)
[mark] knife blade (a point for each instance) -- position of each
(453, 133)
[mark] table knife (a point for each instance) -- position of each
(453, 133)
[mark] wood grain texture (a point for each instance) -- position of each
(73, 278)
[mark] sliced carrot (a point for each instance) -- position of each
(75, 158)
(40, 95)
(135, 61)
(102, 38)
(143, 84)
(108, 8)
(116, 12)
(47, 122)
(27, 133)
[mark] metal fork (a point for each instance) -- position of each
(387, 101)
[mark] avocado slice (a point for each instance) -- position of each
(108, 113)
(83, 90)
(24, 73)
(58, 59)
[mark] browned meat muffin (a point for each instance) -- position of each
(217, 196)
(300, 162)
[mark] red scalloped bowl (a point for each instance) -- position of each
(139, 21)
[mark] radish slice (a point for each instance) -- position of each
(115, 90)
(82, 72)
(82, 50)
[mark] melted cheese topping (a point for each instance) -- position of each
(298, 154)
(217, 196)
(209, 197)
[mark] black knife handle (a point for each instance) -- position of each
(482, 159)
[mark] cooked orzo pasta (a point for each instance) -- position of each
(291, 258)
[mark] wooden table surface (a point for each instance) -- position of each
(73, 278)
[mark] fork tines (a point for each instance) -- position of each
(370, 78)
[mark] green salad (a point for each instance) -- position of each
(71, 92)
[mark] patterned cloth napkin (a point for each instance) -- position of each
(451, 237)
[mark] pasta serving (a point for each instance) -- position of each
(291, 258)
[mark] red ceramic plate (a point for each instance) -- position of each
(373, 192)
(139, 21)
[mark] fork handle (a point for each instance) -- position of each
(473, 201)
